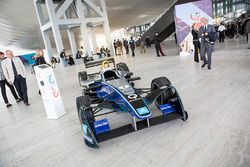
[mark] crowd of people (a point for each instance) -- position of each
(205, 36)
(131, 45)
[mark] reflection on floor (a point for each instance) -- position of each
(216, 134)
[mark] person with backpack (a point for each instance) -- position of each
(208, 36)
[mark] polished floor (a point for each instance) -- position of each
(217, 133)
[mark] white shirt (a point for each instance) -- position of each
(221, 28)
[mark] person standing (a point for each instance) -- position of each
(4, 82)
(221, 31)
(196, 43)
(63, 57)
(78, 55)
(15, 73)
(39, 59)
(119, 48)
(142, 45)
(207, 34)
(115, 47)
(248, 33)
(63, 54)
(157, 42)
(148, 41)
(132, 46)
(126, 46)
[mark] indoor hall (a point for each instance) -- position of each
(217, 132)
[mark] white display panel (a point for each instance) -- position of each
(50, 92)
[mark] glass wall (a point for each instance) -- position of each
(222, 7)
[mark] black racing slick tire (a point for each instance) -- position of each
(83, 107)
(122, 67)
(163, 98)
(82, 76)
(185, 116)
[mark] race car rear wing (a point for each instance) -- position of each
(99, 62)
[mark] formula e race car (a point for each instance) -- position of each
(112, 90)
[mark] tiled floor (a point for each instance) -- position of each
(217, 133)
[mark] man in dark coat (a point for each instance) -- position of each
(157, 42)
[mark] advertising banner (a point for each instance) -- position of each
(186, 16)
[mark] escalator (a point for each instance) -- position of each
(165, 25)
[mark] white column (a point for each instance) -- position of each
(72, 42)
(71, 36)
(106, 26)
(47, 44)
(54, 25)
(45, 35)
(93, 38)
(83, 27)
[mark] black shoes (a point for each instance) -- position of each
(203, 65)
(18, 100)
(8, 105)
(26, 103)
(208, 67)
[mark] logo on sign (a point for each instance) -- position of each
(53, 86)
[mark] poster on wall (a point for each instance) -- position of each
(186, 16)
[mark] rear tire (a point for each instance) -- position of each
(82, 76)
(122, 67)
(156, 84)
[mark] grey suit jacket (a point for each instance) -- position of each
(8, 70)
(202, 30)
(248, 27)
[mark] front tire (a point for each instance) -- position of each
(185, 116)
(156, 84)
(84, 110)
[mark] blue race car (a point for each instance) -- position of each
(114, 89)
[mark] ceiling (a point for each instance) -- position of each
(19, 26)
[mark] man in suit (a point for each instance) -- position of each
(157, 42)
(4, 82)
(15, 73)
(205, 33)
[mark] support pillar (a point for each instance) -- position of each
(47, 44)
(54, 25)
(45, 35)
(83, 27)
(93, 38)
(106, 27)
(72, 42)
